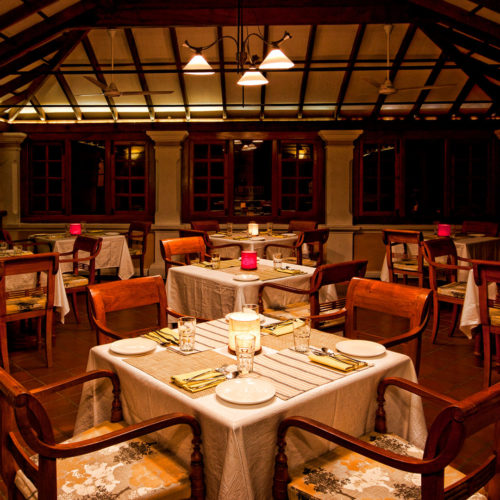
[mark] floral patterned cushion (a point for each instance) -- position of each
(22, 304)
(343, 474)
(406, 264)
(305, 262)
(71, 280)
(134, 469)
(299, 310)
(455, 289)
(494, 316)
(135, 251)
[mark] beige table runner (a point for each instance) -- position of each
(224, 264)
(264, 273)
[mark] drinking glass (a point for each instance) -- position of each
(229, 229)
(277, 261)
(186, 329)
(250, 308)
(215, 260)
(18, 249)
(270, 228)
(3, 246)
(302, 334)
(245, 350)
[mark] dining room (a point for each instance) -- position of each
(330, 171)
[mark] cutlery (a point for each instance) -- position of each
(155, 339)
(166, 336)
(332, 353)
(277, 325)
(221, 370)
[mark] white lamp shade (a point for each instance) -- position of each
(253, 229)
(253, 78)
(243, 322)
(198, 65)
(276, 59)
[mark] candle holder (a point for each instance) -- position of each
(249, 260)
(243, 322)
(253, 229)
(444, 230)
(75, 229)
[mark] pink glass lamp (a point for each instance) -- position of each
(75, 229)
(248, 260)
(444, 230)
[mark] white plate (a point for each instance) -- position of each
(133, 346)
(246, 277)
(111, 233)
(288, 234)
(245, 391)
(258, 238)
(360, 348)
(476, 235)
(217, 236)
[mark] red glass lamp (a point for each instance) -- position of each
(248, 260)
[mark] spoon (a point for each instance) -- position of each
(220, 369)
(331, 352)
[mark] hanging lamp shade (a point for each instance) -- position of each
(253, 77)
(276, 59)
(198, 65)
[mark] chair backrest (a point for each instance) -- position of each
(138, 234)
(302, 225)
(446, 249)
(115, 296)
(316, 240)
(388, 300)
(185, 247)
(90, 245)
(484, 227)
(5, 236)
(205, 225)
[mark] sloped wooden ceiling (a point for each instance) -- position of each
(47, 47)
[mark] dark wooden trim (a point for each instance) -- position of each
(263, 87)
(455, 109)
(307, 67)
(220, 48)
(69, 95)
(22, 12)
(38, 108)
(180, 73)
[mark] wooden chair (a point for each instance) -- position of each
(184, 248)
(441, 255)
(104, 298)
(480, 227)
(315, 239)
(27, 243)
(210, 247)
(205, 225)
(384, 465)
(137, 239)
(302, 225)
(328, 274)
(404, 262)
(126, 458)
(74, 281)
(485, 273)
(37, 302)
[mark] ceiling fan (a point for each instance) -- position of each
(387, 87)
(111, 90)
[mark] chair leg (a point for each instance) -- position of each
(454, 319)
(48, 338)
(3, 347)
(75, 307)
(487, 358)
(435, 320)
(141, 264)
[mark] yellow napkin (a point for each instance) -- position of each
(337, 363)
(166, 335)
(282, 328)
(290, 271)
(200, 383)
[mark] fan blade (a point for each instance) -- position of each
(372, 82)
(101, 85)
(425, 87)
(147, 92)
(88, 95)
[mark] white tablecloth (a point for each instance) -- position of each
(208, 293)
(239, 441)
(114, 253)
(484, 248)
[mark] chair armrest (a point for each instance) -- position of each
(174, 262)
(175, 314)
(79, 259)
(285, 288)
(330, 316)
(280, 245)
(452, 267)
(104, 329)
(404, 337)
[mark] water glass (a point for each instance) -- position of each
(270, 228)
(250, 308)
(18, 249)
(215, 260)
(277, 261)
(3, 246)
(245, 350)
(186, 329)
(229, 229)
(302, 334)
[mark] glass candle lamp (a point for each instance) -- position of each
(243, 322)
(253, 229)
(249, 260)
(444, 230)
(75, 228)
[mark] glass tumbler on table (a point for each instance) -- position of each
(245, 350)
(186, 329)
(302, 334)
(277, 261)
(215, 260)
(269, 228)
(229, 229)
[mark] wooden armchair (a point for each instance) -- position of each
(328, 274)
(302, 225)
(205, 225)
(404, 262)
(487, 273)
(381, 465)
(104, 298)
(127, 459)
(137, 239)
(27, 243)
(210, 247)
(184, 248)
(83, 272)
(441, 255)
(480, 227)
(35, 302)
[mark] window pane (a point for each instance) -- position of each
(288, 169)
(122, 203)
(305, 203)
(38, 203)
(38, 169)
(38, 152)
(201, 150)
(288, 151)
(121, 152)
(138, 153)
(55, 152)
(55, 186)
(304, 152)
(217, 169)
(138, 203)
(217, 151)
(55, 203)
(137, 186)
(121, 186)
(216, 203)
(217, 186)
(55, 170)
(387, 161)
(288, 186)
(137, 169)
(289, 203)
(121, 169)
(39, 186)
(305, 187)
(200, 169)
(200, 186)
(200, 204)
(306, 169)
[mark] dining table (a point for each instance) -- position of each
(114, 250)
(200, 291)
(239, 439)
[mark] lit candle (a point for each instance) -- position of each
(75, 228)
(444, 230)
(253, 229)
(248, 260)
(243, 322)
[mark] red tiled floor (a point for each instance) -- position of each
(448, 366)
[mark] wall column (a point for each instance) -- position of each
(339, 149)
(10, 163)
(168, 157)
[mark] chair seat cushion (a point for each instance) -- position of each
(342, 473)
(455, 289)
(72, 280)
(134, 469)
(305, 262)
(16, 305)
(494, 316)
(135, 251)
(406, 264)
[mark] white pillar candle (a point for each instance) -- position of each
(253, 229)
(244, 322)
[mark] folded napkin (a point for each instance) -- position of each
(240, 238)
(290, 271)
(209, 379)
(338, 362)
(163, 335)
(283, 327)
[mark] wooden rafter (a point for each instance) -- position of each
(87, 46)
(69, 95)
(140, 74)
(398, 60)
(263, 87)
(462, 95)
(307, 67)
(350, 66)
(22, 12)
(38, 108)
(490, 4)
(220, 48)
(16, 83)
(180, 74)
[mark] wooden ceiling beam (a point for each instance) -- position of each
(25, 10)
(140, 74)
(398, 60)
(180, 73)
(222, 62)
(263, 87)
(489, 4)
(350, 66)
(69, 95)
(455, 108)
(307, 67)
(87, 46)
(38, 108)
